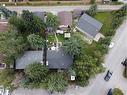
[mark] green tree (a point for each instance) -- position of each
(56, 82)
(117, 91)
(6, 77)
(36, 72)
(18, 23)
(85, 66)
(36, 42)
(28, 23)
(11, 44)
(33, 23)
(92, 11)
(52, 21)
(7, 13)
(72, 46)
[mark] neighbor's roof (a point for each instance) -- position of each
(77, 13)
(65, 18)
(56, 59)
(41, 15)
(89, 25)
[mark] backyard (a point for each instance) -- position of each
(106, 19)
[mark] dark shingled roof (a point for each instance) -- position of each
(89, 25)
(56, 59)
(41, 15)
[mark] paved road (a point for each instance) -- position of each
(61, 8)
(112, 62)
(97, 85)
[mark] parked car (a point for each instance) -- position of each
(109, 92)
(111, 45)
(108, 75)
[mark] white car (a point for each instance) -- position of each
(111, 45)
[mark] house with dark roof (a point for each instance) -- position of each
(56, 59)
(65, 19)
(90, 27)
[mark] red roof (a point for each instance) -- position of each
(65, 18)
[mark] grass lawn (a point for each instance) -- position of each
(106, 19)
(60, 37)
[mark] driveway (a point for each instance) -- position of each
(97, 85)
(56, 9)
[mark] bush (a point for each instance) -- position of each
(117, 91)
(36, 72)
(56, 82)
(6, 77)
(92, 11)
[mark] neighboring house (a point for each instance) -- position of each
(65, 19)
(77, 13)
(90, 27)
(56, 59)
(41, 15)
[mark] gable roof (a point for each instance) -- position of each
(56, 59)
(65, 18)
(41, 15)
(89, 25)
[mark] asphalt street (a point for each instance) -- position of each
(56, 9)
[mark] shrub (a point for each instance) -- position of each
(56, 82)
(6, 77)
(117, 91)
(36, 72)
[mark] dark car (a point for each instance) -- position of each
(108, 75)
(109, 92)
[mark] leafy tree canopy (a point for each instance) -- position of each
(117, 91)
(11, 45)
(7, 13)
(36, 72)
(93, 10)
(52, 21)
(56, 82)
(35, 41)
(28, 23)
(74, 45)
